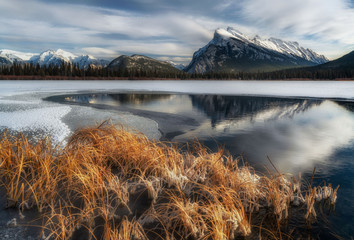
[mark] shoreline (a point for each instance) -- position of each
(64, 78)
(167, 122)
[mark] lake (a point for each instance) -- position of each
(298, 125)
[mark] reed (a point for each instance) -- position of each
(113, 183)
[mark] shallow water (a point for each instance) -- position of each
(298, 135)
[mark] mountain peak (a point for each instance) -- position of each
(137, 56)
(230, 33)
(230, 49)
(50, 57)
(141, 63)
(65, 54)
(275, 44)
(16, 55)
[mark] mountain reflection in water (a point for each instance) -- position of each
(295, 133)
(116, 99)
(220, 108)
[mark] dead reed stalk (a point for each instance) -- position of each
(190, 194)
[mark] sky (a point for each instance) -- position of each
(170, 29)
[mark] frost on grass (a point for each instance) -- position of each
(109, 182)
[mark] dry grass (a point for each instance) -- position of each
(110, 183)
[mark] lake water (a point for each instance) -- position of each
(298, 125)
(296, 134)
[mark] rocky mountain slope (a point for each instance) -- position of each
(4, 61)
(140, 63)
(345, 62)
(232, 51)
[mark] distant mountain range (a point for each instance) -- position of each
(50, 57)
(230, 52)
(233, 51)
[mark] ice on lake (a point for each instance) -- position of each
(22, 108)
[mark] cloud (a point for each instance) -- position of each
(173, 34)
(176, 59)
(99, 52)
(328, 20)
(177, 27)
(294, 139)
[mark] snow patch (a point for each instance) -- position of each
(47, 119)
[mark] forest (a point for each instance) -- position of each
(72, 71)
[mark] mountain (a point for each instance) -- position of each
(5, 61)
(345, 63)
(141, 63)
(51, 57)
(177, 65)
(231, 50)
(342, 63)
(342, 67)
(15, 56)
(85, 61)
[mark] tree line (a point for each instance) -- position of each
(68, 70)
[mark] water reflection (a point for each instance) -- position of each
(116, 99)
(297, 144)
(297, 134)
(220, 108)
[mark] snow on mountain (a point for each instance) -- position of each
(231, 50)
(56, 57)
(85, 61)
(51, 57)
(5, 60)
(16, 56)
(176, 65)
(278, 45)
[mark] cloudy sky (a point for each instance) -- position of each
(170, 29)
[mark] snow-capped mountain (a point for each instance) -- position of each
(286, 47)
(231, 50)
(85, 61)
(50, 57)
(5, 61)
(177, 65)
(15, 56)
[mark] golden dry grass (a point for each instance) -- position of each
(110, 183)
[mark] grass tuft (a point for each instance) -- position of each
(112, 183)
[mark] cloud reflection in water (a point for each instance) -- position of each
(295, 140)
(297, 134)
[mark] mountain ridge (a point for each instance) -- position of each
(231, 50)
(52, 57)
(141, 63)
(344, 62)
